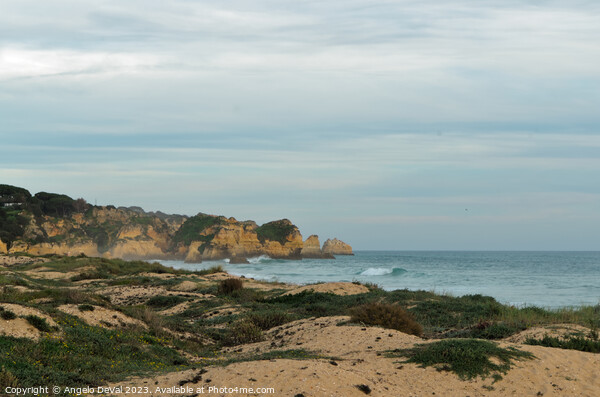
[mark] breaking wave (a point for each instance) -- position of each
(383, 271)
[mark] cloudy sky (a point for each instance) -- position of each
(390, 124)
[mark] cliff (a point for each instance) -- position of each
(312, 249)
(49, 223)
(337, 247)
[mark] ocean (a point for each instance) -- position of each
(545, 279)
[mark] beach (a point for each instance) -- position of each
(182, 333)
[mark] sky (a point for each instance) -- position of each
(400, 125)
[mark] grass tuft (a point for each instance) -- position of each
(210, 270)
(386, 316)
(243, 332)
(165, 301)
(39, 323)
(269, 319)
(229, 285)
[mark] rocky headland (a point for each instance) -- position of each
(49, 223)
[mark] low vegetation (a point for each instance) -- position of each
(468, 358)
(193, 228)
(275, 231)
(578, 342)
(39, 323)
(230, 285)
(387, 316)
(172, 336)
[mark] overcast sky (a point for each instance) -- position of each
(389, 124)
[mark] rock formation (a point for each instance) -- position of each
(49, 223)
(312, 249)
(337, 247)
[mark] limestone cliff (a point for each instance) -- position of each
(312, 249)
(50, 223)
(211, 238)
(337, 247)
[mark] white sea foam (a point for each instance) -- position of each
(382, 271)
(259, 259)
(376, 271)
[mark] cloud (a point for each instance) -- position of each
(21, 63)
(355, 110)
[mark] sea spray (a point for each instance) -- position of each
(382, 271)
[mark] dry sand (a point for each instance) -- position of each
(19, 327)
(353, 356)
(332, 288)
(6, 260)
(554, 330)
(101, 316)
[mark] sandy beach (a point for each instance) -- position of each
(325, 355)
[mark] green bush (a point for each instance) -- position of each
(270, 319)
(386, 316)
(165, 301)
(39, 323)
(229, 285)
(86, 308)
(243, 332)
(572, 343)
(468, 358)
(7, 314)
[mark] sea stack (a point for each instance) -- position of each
(337, 247)
(312, 249)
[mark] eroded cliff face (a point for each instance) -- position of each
(312, 249)
(229, 238)
(56, 224)
(337, 247)
(100, 231)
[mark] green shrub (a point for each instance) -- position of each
(229, 285)
(243, 332)
(165, 301)
(39, 323)
(86, 308)
(270, 319)
(386, 316)
(572, 343)
(468, 358)
(7, 314)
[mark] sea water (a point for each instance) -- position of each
(545, 279)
